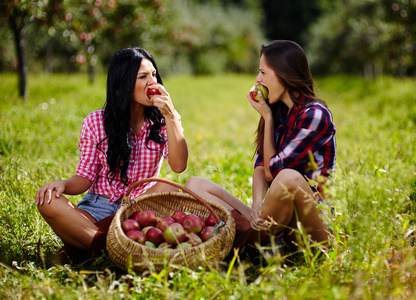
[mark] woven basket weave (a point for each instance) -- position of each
(130, 255)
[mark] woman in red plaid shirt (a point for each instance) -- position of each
(120, 144)
(295, 143)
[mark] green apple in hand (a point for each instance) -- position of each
(258, 87)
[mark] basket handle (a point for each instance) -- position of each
(209, 207)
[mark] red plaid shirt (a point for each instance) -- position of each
(145, 158)
(302, 130)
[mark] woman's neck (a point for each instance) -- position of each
(136, 117)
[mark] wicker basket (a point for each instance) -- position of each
(130, 255)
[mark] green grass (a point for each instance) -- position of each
(374, 193)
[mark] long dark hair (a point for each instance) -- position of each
(289, 62)
(121, 79)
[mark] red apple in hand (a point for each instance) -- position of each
(192, 223)
(152, 91)
(210, 221)
(174, 234)
(205, 235)
(147, 218)
(164, 222)
(137, 236)
(258, 87)
(177, 216)
(155, 235)
(130, 224)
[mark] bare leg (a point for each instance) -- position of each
(73, 225)
(208, 190)
(290, 199)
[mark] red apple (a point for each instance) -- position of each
(147, 218)
(135, 215)
(183, 245)
(164, 222)
(210, 221)
(177, 216)
(193, 239)
(174, 234)
(152, 91)
(130, 224)
(205, 234)
(258, 87)
(144, 230)
(192, 223)
(155, 235)
(137, 236)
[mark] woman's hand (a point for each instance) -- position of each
(72, 186)
(163, 101)
(261, 106)
(256, 222)
(45, 193)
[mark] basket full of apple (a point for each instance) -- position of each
(159, 230)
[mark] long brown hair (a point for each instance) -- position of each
(289, 62)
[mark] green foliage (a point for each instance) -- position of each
(187, 37)
(364, 37)
(372, 253)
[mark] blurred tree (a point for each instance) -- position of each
(366, 37)
(288, 20)
(18, 14)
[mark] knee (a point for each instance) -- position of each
(196, 183)
(48, 210)
(290, 179)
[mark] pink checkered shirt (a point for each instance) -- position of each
(145, 160)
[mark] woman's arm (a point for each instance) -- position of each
(177, 148)
(72, 186)
(260, 187)
(269, 147)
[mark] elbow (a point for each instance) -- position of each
(179, 168)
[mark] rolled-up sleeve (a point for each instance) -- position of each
(88, 162)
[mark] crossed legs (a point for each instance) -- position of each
(289, 199)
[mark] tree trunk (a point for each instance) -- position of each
(17, 24)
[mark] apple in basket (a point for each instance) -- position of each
(130, 224)
(205, 234)
(135, 215)
(137, 236)
(147, 218)
(144, 230)
(177, 216)
(155, 235)
(192, 223)
(164, 245)
(150, 244)
(164, 222)
(210, 221)
(193, 239)
(174, 234)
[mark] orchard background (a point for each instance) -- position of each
(54, 55)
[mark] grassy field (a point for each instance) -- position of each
(373, 249)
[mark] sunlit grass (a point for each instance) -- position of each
(374, 192)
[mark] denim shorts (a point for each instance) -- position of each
(98, 206)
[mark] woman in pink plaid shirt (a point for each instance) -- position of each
(295, 143)
(120, 144)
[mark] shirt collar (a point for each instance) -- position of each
(289, 119)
